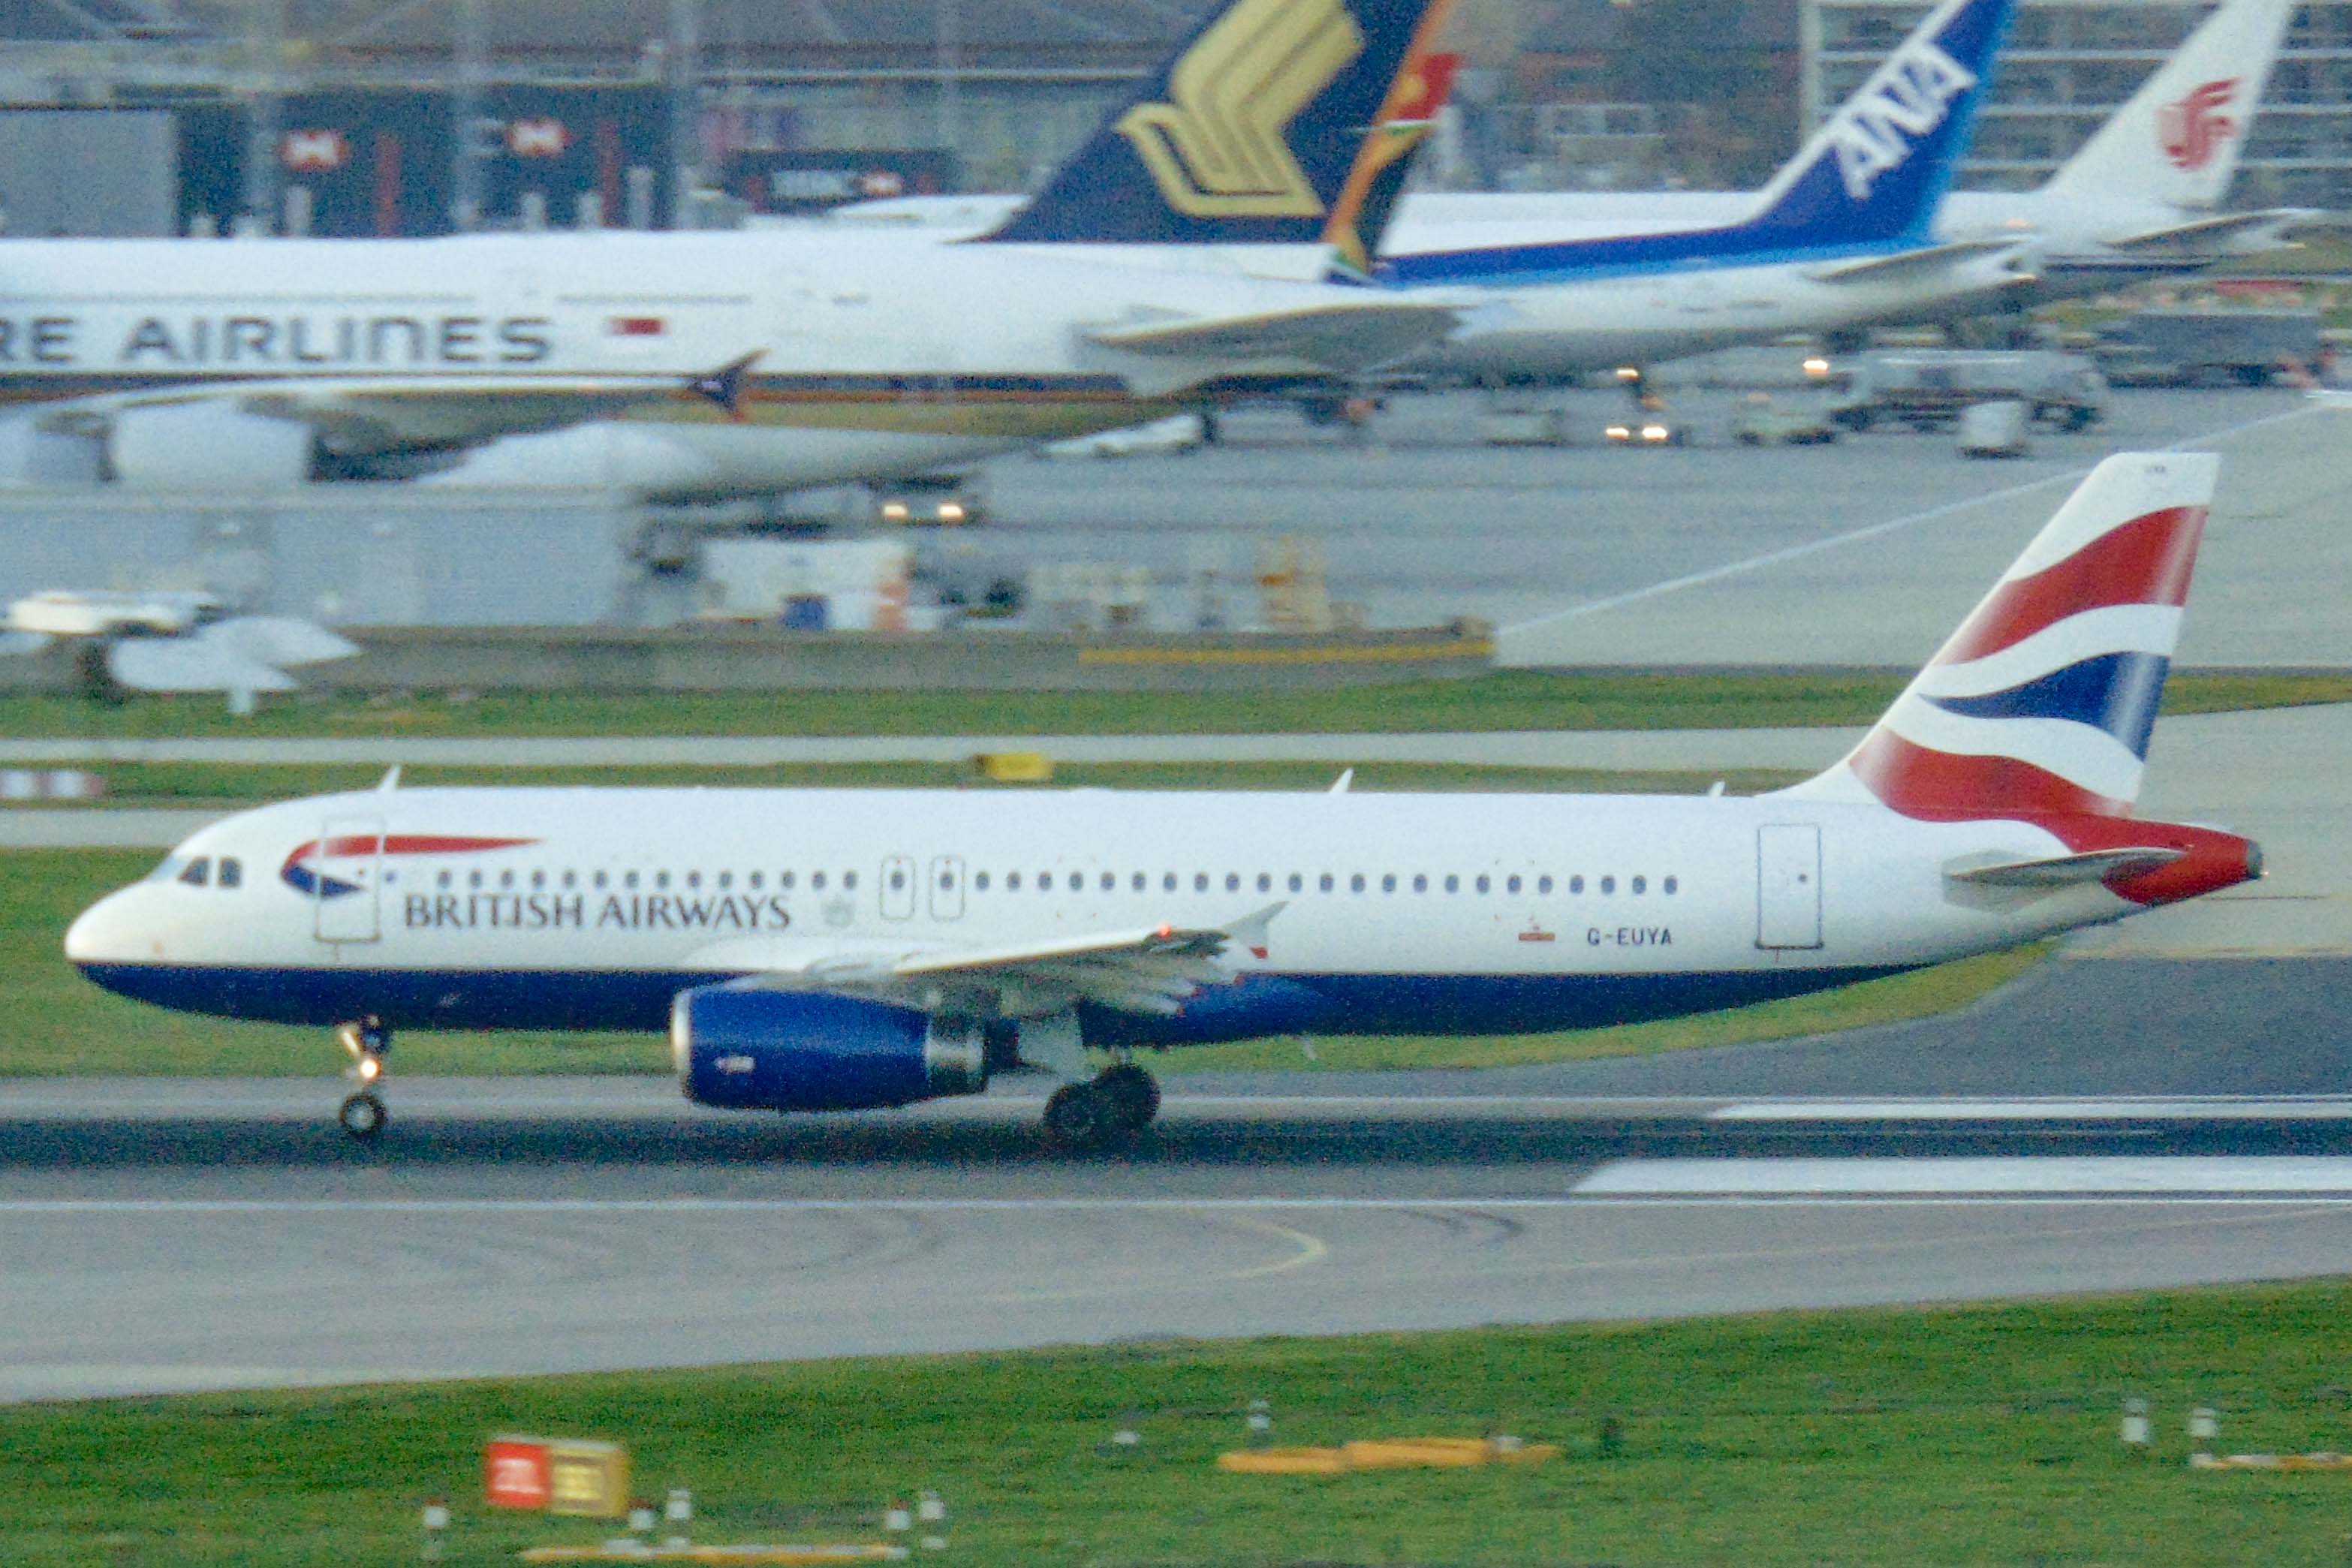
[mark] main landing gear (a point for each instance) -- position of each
(1115, 1105)
(363, 1114)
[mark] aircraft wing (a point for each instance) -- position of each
(363, 417)
(1928, 262)
(2262, 229)
(2064, 871)
(1149, 970)
(1338, 337)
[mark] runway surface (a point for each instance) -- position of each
(2100, 1126)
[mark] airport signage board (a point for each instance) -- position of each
(556, 1474)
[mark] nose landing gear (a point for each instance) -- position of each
(363, 1114)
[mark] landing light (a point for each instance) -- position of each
(894, 512)
(1817, 366)
(1654, 432)
(369, 1068)
(1628, 374)
(1618, 433)
(951, 511)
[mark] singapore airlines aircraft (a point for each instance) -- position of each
(2141, 198)
(830, 950)
(760, 362)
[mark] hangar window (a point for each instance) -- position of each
(1511, 885)
(1672, 886)
(1012, 882)
(199, 872)
(232, 871)
(1543, 885)
(1324, 882)
(1420, 883)
(1486, 884)
(1640, 885)
(1453, 883)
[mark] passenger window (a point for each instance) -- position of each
(849, 881)
(1640, 885)
(1543, 885)
(897, 879)
(816, 882)
(1607, 884)
(1420, 883)
(1109, 881)
(1484, 884)
(1012, 882)
(1576, 885)
(979, 881)
(1512, 885)
(232, 871)
(1356, 883)
(725, 880)
(199, 872)
(444, 880)
(757, 880)
(1168, 883)
(694, 879)
(473, 879)
(539, 879)
(1200, 882)
(661, 879)
(1453, 883)
(1265, 882)
(1296, 881)
(506, 878)
(1388, 882)
(785, 879)
(1671, 887)
(1232, 882)
(570, 879)
(1323, 882)
(1138, 882)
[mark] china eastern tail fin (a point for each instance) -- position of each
(2179, 138)
(2042, 702)
(1247, 136)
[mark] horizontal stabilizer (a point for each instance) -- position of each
(1337, 338)
(2065, 871)
(1929, 261)
(2241, 231)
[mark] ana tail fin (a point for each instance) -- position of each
(2041, 703)
(2177, 138)
(1875, 171)
(1246, 136)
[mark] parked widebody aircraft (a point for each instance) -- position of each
(831, 949)
(757, 361)
(2141, 198)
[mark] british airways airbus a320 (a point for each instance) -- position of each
(833, 949)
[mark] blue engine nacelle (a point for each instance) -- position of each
(749, 1050)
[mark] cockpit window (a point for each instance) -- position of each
(199, 871)
(232, 871)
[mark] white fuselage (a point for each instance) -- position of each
(1395, 912)
(868, 357)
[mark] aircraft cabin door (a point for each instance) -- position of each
(347, 893)
(947, 887)
(898, 887)
(1789, 886)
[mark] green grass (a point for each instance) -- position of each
(1979, 1434)
(1504, 700)
(59, 1024)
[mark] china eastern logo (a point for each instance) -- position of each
(1220, 149)
(1912, 97)
(307, 871)
(2192, 128)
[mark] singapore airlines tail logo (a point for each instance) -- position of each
(1218, 150)
(1911, 98)
(2193, 129)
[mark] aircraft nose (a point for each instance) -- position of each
(101, 934)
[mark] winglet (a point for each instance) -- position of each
(724, 386)
(390, 781)
(1339, 785)
(1249, 930)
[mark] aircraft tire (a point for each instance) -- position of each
(363, 1117)
(1080, 1120)
(1133, 1096)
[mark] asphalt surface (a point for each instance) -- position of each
(2100, 1126)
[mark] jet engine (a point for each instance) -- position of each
(199, 446)
(749, 1050)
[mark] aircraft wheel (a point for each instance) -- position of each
(1079, 1120)
(1132, 1095)
(363, 1116)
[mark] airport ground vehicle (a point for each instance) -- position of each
(1928, 388)
(836, 949)
(1765, 420)
(2182, 347)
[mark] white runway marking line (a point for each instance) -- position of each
(1892, 524)
(2120, 1108)
(1978, 1175)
